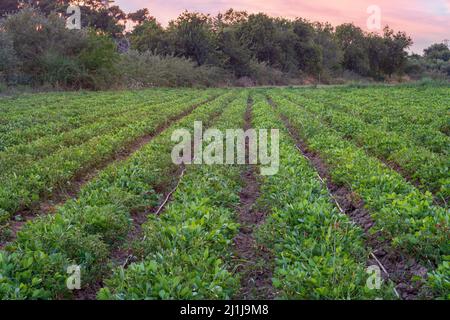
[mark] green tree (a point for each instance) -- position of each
(191, 36)
(259, 32)
(235, 55)
(140, 16)
(98, 57)
(354, 45)
(33, 34)
(377, 53)
(396, 56)
(110, 20)
(46, 51)
(439, 51)
(332, 54)
(309, 53)
(9, 62)
(94, 13)
(150, 36)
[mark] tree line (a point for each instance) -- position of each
(195, 48)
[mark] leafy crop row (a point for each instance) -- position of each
(56, 170)
(186, 252)
(421, 115)
(422, 165)
(84, 231)
(319, 253)
(44, 121)
(15, 159)
(187, 249)
(400, 211)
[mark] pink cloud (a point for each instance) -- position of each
(426, 21)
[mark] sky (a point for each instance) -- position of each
(426, 21)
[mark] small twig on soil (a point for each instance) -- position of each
(170, 193)
(127, 260)
(378, 261)
(385, 271)
(320, 178)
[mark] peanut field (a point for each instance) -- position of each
(88, 184)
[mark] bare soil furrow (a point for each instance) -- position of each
(253, 259)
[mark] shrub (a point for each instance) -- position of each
(60, 70)
(31, 36)
(9, 61)
(263, 74)
(98, 59)
(36, 50)
(3, 87)
(147, 69)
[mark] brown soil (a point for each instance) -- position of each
(253, 259)
(401, 269)
(60, 196)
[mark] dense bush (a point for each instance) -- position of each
(434, 64)
(98, 59)
(8, 58)
(232, 48)
(38, 50)
(147, 69)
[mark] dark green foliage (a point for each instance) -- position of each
(191, 37)
(98, 58)
(295, 47)
(438, 51)
(434, 64)
(39, 50)
(36, 49)
(95, 13)
(150, 36)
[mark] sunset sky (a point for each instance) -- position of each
(427, 21)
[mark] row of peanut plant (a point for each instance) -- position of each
(43, 121)
(397, 109)
(419, 163)
(15, 159)
(407, 113)
(86, 230)
(39, 180)
(319, 253)
(401, 212)
(187, 250)
(52, 106)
